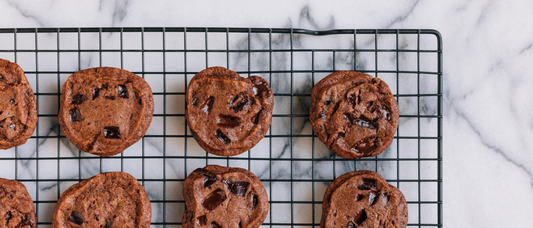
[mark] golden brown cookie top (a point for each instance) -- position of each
(104, 110)
(18, 109)
(228, 114)
(363, 199)
(114, 199)
(354, 114)
(217, 196)
(16, 205)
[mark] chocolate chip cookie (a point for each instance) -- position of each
(16, 206)
(228, 114)
(113, 199)
(18, 109)
(217, 197)
(363, 199)
(105, 110)
(354, 114)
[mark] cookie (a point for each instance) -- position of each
(354, 114)
(16, 206)
(113, 199)
(228, 114)
(363, 199)
(217, 197)
(105, 110)
(18, 109)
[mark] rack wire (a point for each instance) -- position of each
(292, 163)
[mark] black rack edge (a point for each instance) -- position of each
(220, 29)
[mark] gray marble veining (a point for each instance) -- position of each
(487, 115)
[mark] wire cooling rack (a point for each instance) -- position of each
(292, 163)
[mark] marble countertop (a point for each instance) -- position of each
(488, 126)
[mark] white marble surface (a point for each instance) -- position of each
(488, 151)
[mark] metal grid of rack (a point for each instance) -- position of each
(292, 163)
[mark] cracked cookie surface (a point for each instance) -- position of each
(217, 196)
(105, 110)
(363, 199)
(113, 199)
(16, 206)
(354, 114)
(228, 114)
(18, 109)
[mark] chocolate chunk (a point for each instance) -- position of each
(364, 145)
(28, 221)
(215, 199)
(360, 217)
(96, 93)
(209, 180)
(322, 114)
(372, 198)
(194, 101)
(215, 225)
(110, 97)
(360, 121)
(122, 91)
(239, 102)
(202, 220)
(328, 102)
(255, 119)
(238, 188)
(350, 225)
(112, 132)
(12, 101)
(385, 198)
(78, 99)
(228, 121)
(384, 113)
(255, 200)
(223, 138)
(108, 225)
(261, 87)
(76, 218)
(367, 184)
(208, 105)
(75, 114)
(364, 123)
(8, 215)
(359, 197)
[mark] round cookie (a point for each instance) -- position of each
(105, 110)
(18, 109)
(16, 206)
(354, 114)
(363, 199)
(217, 196)
(228, 114)
(113, 199)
